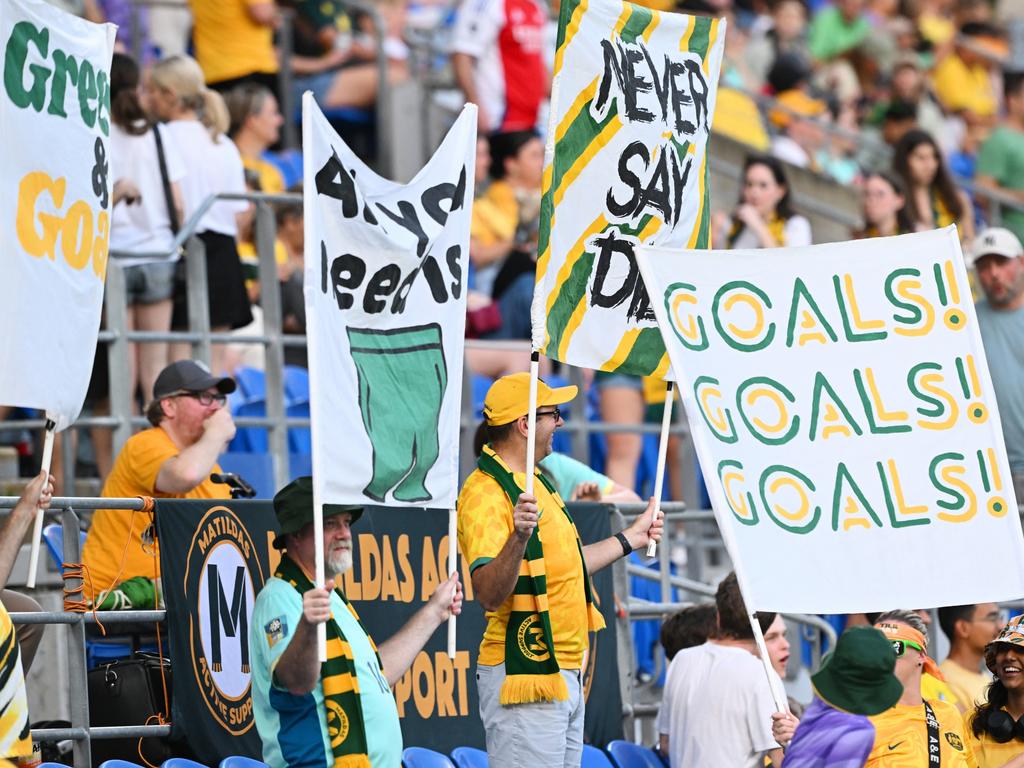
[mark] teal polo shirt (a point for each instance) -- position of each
(294, 728)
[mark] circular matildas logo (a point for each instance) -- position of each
(222, 576)
(337, 723)
(530, 637)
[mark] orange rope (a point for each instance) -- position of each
(79, 571)
(149, 721)
(159, 642)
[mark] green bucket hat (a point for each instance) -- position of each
(293, 506)
(857, 677)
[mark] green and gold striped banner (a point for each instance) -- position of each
(626, 164)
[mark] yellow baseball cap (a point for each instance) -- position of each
(509, 398)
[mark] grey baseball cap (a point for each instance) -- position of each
(189, 376)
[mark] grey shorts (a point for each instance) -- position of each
(149, 283)
(543, 734)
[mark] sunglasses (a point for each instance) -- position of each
(205, 398)
(900, 646)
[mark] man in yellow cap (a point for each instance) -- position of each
(531, 574)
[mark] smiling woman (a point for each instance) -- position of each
(996, 728)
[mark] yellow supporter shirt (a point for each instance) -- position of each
(901, 738)
(228, 42)
(271, 180)
(495, 214)
(968, 687)
(963, 88)
(116, 535)
(988, 752)
(485, 523)
(14, 731)
(934, 689)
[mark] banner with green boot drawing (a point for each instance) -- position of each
(386, 305)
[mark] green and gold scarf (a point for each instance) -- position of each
(345, 725)
(531, 671)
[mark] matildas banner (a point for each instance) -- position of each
(626, 165)
(54, 203)
(843, 413)
(385, 291)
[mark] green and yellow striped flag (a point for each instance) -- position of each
(626, 164)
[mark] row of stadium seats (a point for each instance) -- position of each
(620, 754)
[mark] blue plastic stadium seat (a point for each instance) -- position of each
(110, 764)
(629, 755)
(469, 757)
(480, 386)
(296, 384)
(299, 465)
(300, 439)
(592, 758)
(182, 762)
(289, 163)
(252, 382)
(53, 537)
(255, 467)
(241, 761)
(419, 757)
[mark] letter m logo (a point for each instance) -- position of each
(227, 619)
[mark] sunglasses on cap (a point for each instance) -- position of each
(900, 647)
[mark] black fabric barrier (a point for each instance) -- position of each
(218, 554)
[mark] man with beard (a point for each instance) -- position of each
(340, 712)
(997, 256)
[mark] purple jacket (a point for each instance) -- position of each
(830, 737)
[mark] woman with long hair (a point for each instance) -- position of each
(197, 118)
(884, 201)
(995, 729)
(764, 216)
(146, 167)
(933, 198)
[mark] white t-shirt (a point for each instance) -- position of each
(144, 225)
(717, 708)
(213, 168)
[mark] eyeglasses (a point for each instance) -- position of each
(900, 646)
(556, 413)
(204, 398)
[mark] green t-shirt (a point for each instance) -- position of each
(294, 728)
(566, 473)
(831, 35)
(1002, 158)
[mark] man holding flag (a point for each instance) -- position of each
(341, 712)
(530, 572)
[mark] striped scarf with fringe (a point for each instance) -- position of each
(531, 670)
(345, 725)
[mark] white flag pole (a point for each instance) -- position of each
(531, 421)
(313, 345)
(37, 529)
(781, 702)
(659, 475)
(453, 566)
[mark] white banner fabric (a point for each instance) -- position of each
(385, 288)
(625, 164)
(55, 203)
(844, 417)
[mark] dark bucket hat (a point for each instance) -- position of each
(857, 676)
(293, 506)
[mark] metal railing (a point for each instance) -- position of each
(80, 733)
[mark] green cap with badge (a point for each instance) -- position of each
(293, 506)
